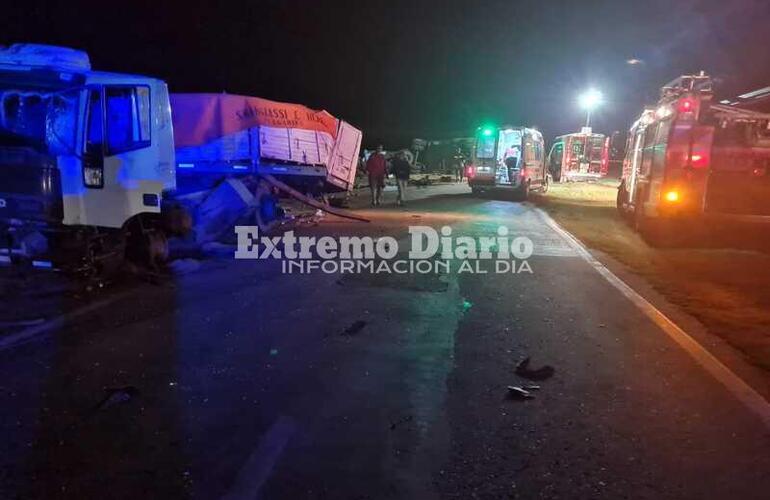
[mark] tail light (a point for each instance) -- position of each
(470, 171)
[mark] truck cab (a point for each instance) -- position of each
(508, 158)
(78, 148)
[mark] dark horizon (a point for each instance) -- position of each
(400, 70)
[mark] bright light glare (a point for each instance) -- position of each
(672, 196)
(590, 99)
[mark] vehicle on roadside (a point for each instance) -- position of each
(579, 156)
(508, 158)
(690, 160)
(90, 161)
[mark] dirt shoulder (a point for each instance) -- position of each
(728, 290)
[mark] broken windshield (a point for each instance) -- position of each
(41, 119)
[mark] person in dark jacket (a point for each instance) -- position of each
(401, 169)
(376, 168)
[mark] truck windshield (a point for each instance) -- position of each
(41, 119)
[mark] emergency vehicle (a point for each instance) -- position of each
(508, 158)
(579, 156)
(691, 158)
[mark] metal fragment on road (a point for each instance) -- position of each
(523, 370)
(517, 392)
(353, 329)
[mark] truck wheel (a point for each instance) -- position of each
(146, 243)
(268, 215)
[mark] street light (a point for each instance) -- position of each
(589, 100)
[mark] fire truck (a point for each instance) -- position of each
(579, 156)
(689, 158)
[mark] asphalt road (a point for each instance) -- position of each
(239, 381)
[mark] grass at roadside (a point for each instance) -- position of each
(728, 290)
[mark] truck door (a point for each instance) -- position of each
(535, 164)
(120, 165)
(555, 160)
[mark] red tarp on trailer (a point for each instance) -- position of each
(200, 118)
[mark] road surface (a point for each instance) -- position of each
(239, 381)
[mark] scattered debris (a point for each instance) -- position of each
(353, 329)
(523, 370)
(400, 421)
(516, 392)
(116, 396)
(446, 178)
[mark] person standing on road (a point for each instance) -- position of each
(459, 161)
(401, 170)
(376, 168)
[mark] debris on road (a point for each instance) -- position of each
(516, 392)
(353, 329)
(400, 421)
(116, 396)
(523, 370)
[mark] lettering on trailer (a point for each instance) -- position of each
(200, 118)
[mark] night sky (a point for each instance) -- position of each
(400, 70)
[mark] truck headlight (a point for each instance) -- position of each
(93, 177)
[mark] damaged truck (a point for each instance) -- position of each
(96, 166)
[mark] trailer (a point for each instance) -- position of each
(89, 166)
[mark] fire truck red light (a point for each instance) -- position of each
(685, 105)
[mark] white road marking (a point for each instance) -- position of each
(258, 467)
(28, 334)
(750, 398)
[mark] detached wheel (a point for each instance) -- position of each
(268, 215)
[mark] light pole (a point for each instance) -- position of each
(589, 100)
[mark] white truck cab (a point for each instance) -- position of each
(79, 147)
